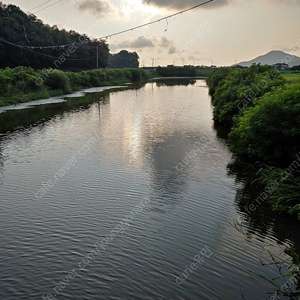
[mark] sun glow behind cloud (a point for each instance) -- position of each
(133, 6)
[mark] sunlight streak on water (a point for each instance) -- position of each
(163, 147)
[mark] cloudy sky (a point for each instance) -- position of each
(222, 32)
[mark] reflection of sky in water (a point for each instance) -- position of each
(191, 207)
(159, 131)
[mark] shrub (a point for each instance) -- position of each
(234, 89)
(271, 129)
(58, 80)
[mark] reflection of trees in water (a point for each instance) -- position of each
(264, 222)
(1, 162)
(9, 120)
(222, 132)
(171, 82)
(261, 220)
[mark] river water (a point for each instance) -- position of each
(130, 194)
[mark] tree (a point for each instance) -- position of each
(26, 30)
(124, 59)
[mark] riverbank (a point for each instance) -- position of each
(261, 109)
(22, 84)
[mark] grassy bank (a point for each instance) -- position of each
(261, 108)
(292, 77)
(23, 84)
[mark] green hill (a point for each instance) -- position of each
(27, 41)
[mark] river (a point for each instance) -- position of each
(130, 194)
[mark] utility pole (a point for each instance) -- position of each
(97, 64)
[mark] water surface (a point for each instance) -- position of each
(71, 174)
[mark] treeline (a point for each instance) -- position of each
(27, 41)
(262, 111)
(186, 71)
(295, 68)
(23, 84)
(123, 59)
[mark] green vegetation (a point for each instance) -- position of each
(186, 71)
(23, 84)
(296, 68)
(285, 197)
(270, 130)
(27, 31)
(287, 283)
(262, 110)
(292, 77)
(233, 89)
(123, 59)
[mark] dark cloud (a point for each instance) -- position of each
(172, 49)
(142, 42)
(165, 42)
(138, 43)
(182, 4)
(96, 7)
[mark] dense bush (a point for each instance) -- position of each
(217, 76)
(271, 129)
(97, 77)
(171, 71)
(234, 89)
(58, 80)
(263, 111)
(18, 80)
(137, 74)
(25, 84)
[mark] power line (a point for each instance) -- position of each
(47, 6)
(36, 47)
(40, 5)
(28, 49)
(150, 23)
(46, 55)
(117, 33)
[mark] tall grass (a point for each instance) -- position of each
(286, 197)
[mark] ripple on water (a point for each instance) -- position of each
(42, 239)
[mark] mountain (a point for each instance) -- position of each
(273, 57)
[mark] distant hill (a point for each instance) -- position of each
(271, 58)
